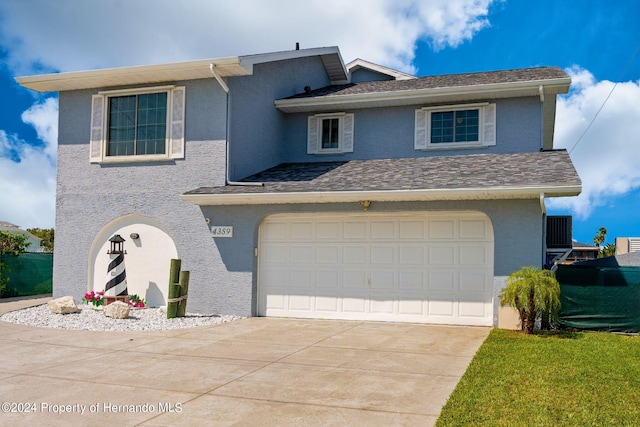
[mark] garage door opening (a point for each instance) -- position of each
(422, 267)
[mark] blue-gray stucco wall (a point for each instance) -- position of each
(257, 133)
(382, 133)
(517, 226)
(223, 271)
(89, 196)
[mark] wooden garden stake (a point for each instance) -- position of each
(174, 288)
(184, 290)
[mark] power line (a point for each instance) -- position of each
(607, 98)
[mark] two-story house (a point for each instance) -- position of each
(292, 184)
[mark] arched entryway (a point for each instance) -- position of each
(149, 252)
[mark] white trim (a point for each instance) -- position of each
(423, 133)
(314, 139)
(140, 90)
(424, 96)
(477, 193)
(169, 140)
(361, 63)
(157, 73)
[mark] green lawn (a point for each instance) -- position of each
(549, 379)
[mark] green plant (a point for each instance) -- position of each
(608, 250)
(136, 302)
(533, 292)
(94, 298)
(10, 243)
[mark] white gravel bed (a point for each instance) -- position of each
(89, 319)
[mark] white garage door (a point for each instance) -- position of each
(413, 267)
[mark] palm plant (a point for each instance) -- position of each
(534, 293)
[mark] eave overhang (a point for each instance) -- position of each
(477, 193)
(424, 96)
(179, 71)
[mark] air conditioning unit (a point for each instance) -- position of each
(559, 232)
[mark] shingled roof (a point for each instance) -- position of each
(477, 176)
(442, 81)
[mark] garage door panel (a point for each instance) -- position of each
(442, 255)
(328, 254)
(299, 279)
(410, 306)
(473, 229)
(328, 279)
(442, 229)
(382, 304)
(355, 305)
(355, 279)
(473, 255)
(301, 231)
(412, 230)
(473, 281)
(471, 308)
(411, 280)
(327, 303)
(383, 230)
(328, 230)
(441, 307)
(413, 267)
(383, 254)
(382, 279)
(442, 281)
(355, 230)
(301, 254)
(355, 254)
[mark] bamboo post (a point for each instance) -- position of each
(174, 288)
(184, 290)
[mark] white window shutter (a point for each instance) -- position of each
(312, 135)
(421, 136)
(489, 125)
(176, 136)
(347, 133)
(96, 142)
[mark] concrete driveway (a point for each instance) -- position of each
(256, 371)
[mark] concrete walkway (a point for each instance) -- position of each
(18, 303)
(256, 371)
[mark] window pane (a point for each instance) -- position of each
(121, 127)
(454, 126)
(466, 125)
(441, 127)
(330, 133)
(137, 124)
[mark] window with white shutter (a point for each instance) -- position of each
(459, 126)
(330, 133)
(138, 125)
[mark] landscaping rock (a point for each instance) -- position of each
(117, 310)
(63, 305)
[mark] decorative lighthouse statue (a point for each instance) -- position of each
(116, 274)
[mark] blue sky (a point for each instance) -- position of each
(596, 42)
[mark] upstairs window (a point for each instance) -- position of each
(138, 125)
(330, 133)
(465, 126)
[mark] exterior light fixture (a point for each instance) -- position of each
(116, 245)
(134, 236)
(365, 204)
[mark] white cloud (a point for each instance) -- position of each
(607, 157)
(70, 35)
(29, 184)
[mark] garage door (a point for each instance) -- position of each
(412, 267)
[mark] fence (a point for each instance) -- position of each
(600, 298)
(28, 274)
